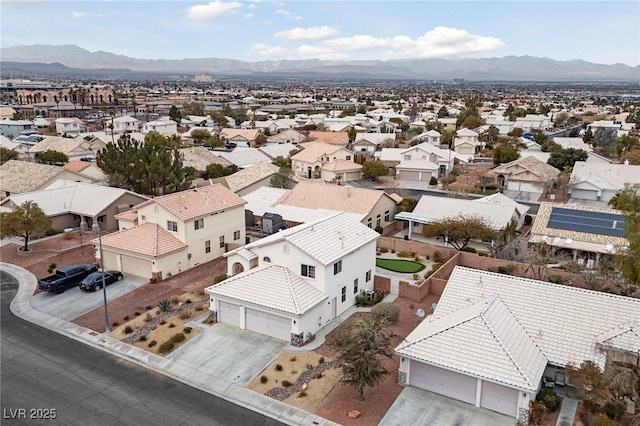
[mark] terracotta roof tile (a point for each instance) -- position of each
(332, 197)
(148, 239)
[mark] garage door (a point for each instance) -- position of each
(499, 398)
(268, 324)
(408, 175)
(135, 266)
(229, 313)
(443, 382)
(584, 194)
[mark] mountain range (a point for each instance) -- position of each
(71, 58)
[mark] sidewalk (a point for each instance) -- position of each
(287, 414)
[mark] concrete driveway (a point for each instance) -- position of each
(224, 352)
(418, 407)
(75, 302)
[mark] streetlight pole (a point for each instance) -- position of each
(104, 286)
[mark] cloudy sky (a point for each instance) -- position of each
(604, 32)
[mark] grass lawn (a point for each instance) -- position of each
(400, 265)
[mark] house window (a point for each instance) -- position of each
(76, 217)
(198, 224)
(143, 217)
(222, 241)
(377, 220)
(172, 226)
(285, 249)
(236, 235)
(207, 246)
(369, 222)
(344, 294)
(355, 286)
(266, 259)
(308, 271)
(101, 218)
(387, 216)
(156, 209)
(348, 158)
(407, 157)
(368, 276)
(337, 267)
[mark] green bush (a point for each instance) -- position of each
(187, 330)
(166, 347)
(171, 325)
(128, 329)
(178, 337)
(387, 312)
(469, 249)
(615, 410)
(220, 278)
(264, 379)
(51, 231)
(321, 360)
(152, 343)
(433, 180)
(379, 229)
(603, 420)
(434, 268)
(278, 367)
(403, 253)
(383, 249)
(148, 317)
(286, 383)
(164, 305)
(556, 279)
(549, 398)
(142, 339)
(437, 257)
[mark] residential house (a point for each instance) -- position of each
(496, 210)
(75, 148)
(339, 170)
(504, 126)
(240, 137)
(283, 150)
(244, 157)
(531, 122)
(419, 162)
(431, 137)
(250, 178)
(488, 344)
(340, 139)
(70, 127)
(199, 157)
(592, 182)
(467, 143)
(125, 124)
(371, 142)
(14, 128)
(79, 205)
(526, 174)
(173, 233)
(293, 283)
(309, 162)
(164, 127)
(6, 112)
(19, 177)
(586, 233)
(20, 148)
(87, 168)
(606, 125)
(288, 136)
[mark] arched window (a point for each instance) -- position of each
(266, 259)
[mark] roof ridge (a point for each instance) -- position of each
(291, 290)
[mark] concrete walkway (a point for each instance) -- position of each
(567, 412)
(216, 381)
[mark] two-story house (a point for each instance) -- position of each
(14, 128)
(70, 127)
(315, 162)
(467, 142)
(125, 124)
(164, 127)
(172, 233)
(291, 284)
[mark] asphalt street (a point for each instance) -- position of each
(51, 379)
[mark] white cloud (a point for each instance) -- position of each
(80, 15)
(319, 52)
(311, 33)
(212, 10)
(439, 42)
(289, 15)
(265, 50)
(248, 15)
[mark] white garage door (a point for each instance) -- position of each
(135, 266)
(271, 325)
(408, 174)
(443, 382)
(584, 194)
(229, 313)
(499, 398)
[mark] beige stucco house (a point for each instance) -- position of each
(316, 156)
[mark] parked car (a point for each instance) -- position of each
(66, 276)
(93, 281)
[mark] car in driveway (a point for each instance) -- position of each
(93, 281)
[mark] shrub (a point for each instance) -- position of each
(321, 360)
(136, 313)
(69, 235)
(148, 317)
(386, 312)
(302, 394)
(537, 410)
(162, 322)
(278, 367)
(148, 307)
(437, 257)
(171, 325)
(115, 324)
(51, 231)
(528, 219)
(294, 371)
(469, 249)
(128, 329)
(433, 180)
(220, 277)
(383, 249)
(175, 300)
(152, 343)
(318, 376)
(402, 253)
(166, 347)
(188, 301)
(603, 420)
(187, 330)
(556, 279)
(309, 366)
(142, 339)
(178, 337)
(416, 258)
(264, 379)
(286, 383)
(379, 229)
(293, 358)
(52, 267)
(615, 409)
(549, 398)
(433, 269)
(186, 314)
(126, 318)
(164, 305)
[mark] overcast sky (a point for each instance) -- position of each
(604, 32)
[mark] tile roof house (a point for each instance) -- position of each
(370, 142)
(18, 177)
(71, 127)
(288, 136)
(424, 161)
(283, 150)
(199, 157)
(163, 126)
(86, 168)
(198, 225)
(600, 182)
(488, 344)
(292, 283)
(497, 210)
(74, 148)
(310, 161)
(79, 205)
(332, 138)
(240, 137)
(250, 178)
(244, 156)
(526, 174)
(125, 124)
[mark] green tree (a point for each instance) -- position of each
(199, 136)
(633, 157)
(561, 119)
(174, 114)
(192, 108)
(504, 154)
(565, 159)
(443, 112)
(406, 205)
(53, 157)
(625, 143)
(604, 137)
(460, 230)
(218, 170)
(26, 220)
(7, 154)
(282, 179)
(280, 161)
(361, 344)
(374, 169)
(628, 201)
(352, 134)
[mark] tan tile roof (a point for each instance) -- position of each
(341, 166)
(23, 176)
(248, 134)
(200, 157)
(57, 143)
(198, 202)
(130, 215)
(527, 169)
(334, 138)
(313, 151)
(148, 239)
(252, 174)
(332, 197)
(77, 166)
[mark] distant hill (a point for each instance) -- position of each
(510, 68)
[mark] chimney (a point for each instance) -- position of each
(626, 162)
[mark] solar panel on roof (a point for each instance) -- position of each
(590, 222)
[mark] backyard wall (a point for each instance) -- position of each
(382, 283)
